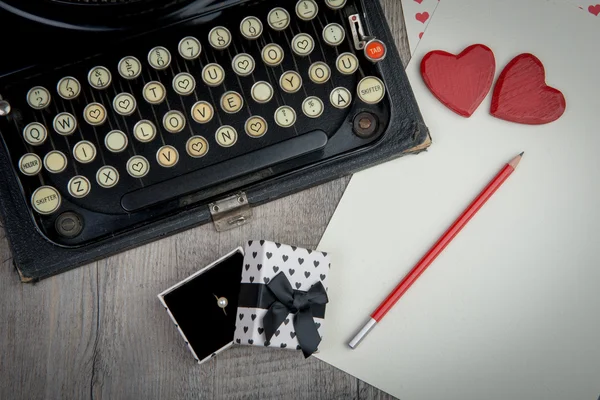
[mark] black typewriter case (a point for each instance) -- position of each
(38, 253)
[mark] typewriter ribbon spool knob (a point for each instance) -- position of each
(365, 125)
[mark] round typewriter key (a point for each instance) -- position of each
(68, 88)
(319, 72)
(303, 44)
(213, 74)
(45, 200)
(340, 97)
(174, 121)
(35, 133)
(64, 123)
(232, 102)
(251, 28)
(138, 166)
(107, 176)
(243, 64)
(99, 78)
(30, 164)
(272, 54)
(290, 82)
(202, 112)
(38, 97)
(159, 58)
(335, 4)
(347, 63)
(196, 146)
(375, 50)
(79, 186)
(130, 67)
(154, 92)
(55, 162)
(69, 224)
(306, 10)
(4, 108)
(285, 116)
(334, 34)
(262, 92)
(184, 84)
(84, 152)
(313, 107)
(226, 136)
(256, 127)
(189, 48)
(167, 156)
(144, 131)
(219, 37)
(371, 90)
(278, 18)
(116, 141)
(124, 104)
(94, 114)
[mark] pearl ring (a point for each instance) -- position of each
(222, 302)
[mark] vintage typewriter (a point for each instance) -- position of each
(125, 121)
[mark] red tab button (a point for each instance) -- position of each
(375, 50)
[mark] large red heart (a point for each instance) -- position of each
(521, 94)
(460, 82)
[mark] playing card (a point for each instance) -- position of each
(590, 6)
(418, 14)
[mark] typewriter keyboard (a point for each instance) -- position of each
(111, 142)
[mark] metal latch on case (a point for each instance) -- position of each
(230, 212)
(374, 49)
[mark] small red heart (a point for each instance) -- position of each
(460, 82)
(594, 9)
(521, 94)
(422, 17)
(419, 1)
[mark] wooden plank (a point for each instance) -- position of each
(99, 331)
(366, 391)
(47, 334)
(395, 18)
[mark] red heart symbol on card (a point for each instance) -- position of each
(422, 17)
(419, 1)
(460, 82)
(594, 9)
(521, 94)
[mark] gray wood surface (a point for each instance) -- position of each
(99, 332)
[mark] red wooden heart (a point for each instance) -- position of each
(460, 82)
(521, 94)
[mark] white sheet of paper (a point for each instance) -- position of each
(510, 310)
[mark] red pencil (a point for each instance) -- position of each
(436, 250)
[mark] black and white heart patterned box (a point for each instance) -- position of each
(285, 284)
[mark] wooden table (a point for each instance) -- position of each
(99, 331)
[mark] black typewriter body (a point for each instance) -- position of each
(119, 132)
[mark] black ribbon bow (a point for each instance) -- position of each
(299, 303)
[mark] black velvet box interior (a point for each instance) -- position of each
(194, 308)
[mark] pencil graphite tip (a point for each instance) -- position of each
(515, 161)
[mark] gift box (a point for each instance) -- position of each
(266, 294)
